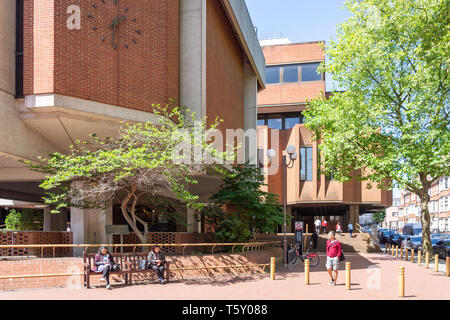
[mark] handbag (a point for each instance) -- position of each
(143, 264)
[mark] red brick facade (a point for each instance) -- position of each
(83, 63)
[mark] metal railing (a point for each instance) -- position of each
(249, 246)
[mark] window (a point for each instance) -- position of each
(290, 74)
(289, 123)
(261, 122)
(306, 164)
(281, 121)
(309, 72)
(276, 123)
(273, 74)
(19, 49)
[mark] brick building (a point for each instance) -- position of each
(292, 80)
(69, 68)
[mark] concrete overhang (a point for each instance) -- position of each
(241, 21)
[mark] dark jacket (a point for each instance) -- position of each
(98, 261)
(152, 257)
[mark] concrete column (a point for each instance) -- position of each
(88, 226)
(47, 220)
(193, 224)
(54, 221)
(250, 117)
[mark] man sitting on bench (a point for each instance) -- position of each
(156, 261)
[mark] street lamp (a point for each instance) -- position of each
(291, 151)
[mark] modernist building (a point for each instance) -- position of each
(292, 80)
(71, 68)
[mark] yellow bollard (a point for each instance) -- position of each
(307, 271)
(419, 258)
(401, 252)
(406, 254)
(427, 260)
(448, 266)
(436, 263)
(390, 249)
(348, 275)
(272, 268)
(412, 255)
(401, 282)
(396, 252)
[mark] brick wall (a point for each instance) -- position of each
(142, 70)
(75, 266)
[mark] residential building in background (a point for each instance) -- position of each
(392, 216)
(291, 80)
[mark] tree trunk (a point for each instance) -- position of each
(426, 227)
(139, 234)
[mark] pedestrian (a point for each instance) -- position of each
(314, 238)
(102, 264)
(334, 251)
(350, 229)
(324, 226)
(339, 229)
(318, 224)
(157, 260)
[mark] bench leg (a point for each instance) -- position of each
(130, 278)
(167, 272)
(88, 284)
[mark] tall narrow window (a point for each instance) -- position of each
(19, 49)
(306, 164)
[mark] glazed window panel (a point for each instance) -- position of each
(290, 74)
(273, 75)
(309, 72)
(306, 164)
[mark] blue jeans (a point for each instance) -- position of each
(159, 272)
(351, 232)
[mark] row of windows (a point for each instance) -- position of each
(284, 121)
(293, 73)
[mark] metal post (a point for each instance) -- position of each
(272, 268)
(412, 255)
(436, 263)
(307, 271)
(401, 282)
(285, 211)
(427, 259)
(419, 258)
(396, 252)
(406, 254)
(448, 266)
(348, 277)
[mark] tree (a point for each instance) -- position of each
(391, 124)
(249, 210)
(379, 217)
(12, 220)
(26, 219)
(145, 160)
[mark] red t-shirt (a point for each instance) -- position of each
(324, 223)
(335, 250)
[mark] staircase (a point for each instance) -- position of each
(355, 244)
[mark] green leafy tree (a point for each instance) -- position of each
(12, 220)
(379, 217)
(391, 124)
(146, 160)
(240, 210)
(26, 219)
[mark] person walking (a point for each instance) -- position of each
(334, 251)
(339, 229)
(103, 262)
(350, 229)
(156, 260)
(318, 224)
(324, 226)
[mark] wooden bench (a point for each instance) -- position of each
(135, 262)
(89, 263)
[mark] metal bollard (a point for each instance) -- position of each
(448, 266)
(412, 255)
(436, 263)
(401, 282)
(401, 252)
(427, 260)
(307, 271)
(390, 249)
(406, 254)
(419, 258)
(348, 276)
(272, 268)
(396, 252)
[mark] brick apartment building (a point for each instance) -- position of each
(409, 209)
(292, 80)
(69, 68)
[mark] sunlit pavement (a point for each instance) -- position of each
(374, 276)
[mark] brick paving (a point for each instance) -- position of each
(374, 276)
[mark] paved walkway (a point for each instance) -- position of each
(374, 276)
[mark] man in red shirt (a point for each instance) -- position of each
(334, 251)
(324, 226)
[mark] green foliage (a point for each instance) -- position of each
(379, 217)
(250, 210)
(391, 125)
(26, 219)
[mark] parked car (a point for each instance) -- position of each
(396, 239)
(416, 242)
(434, 241)
(384, 235)
(442, 248)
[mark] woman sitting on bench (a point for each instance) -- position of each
(103, 263)
(156, 261)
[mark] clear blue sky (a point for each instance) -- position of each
(299, 20)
